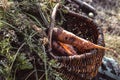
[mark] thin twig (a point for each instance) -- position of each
(36, 73)
(41, 77)
(29, 75)
(45, 63)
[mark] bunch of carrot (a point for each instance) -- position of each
(66, 42)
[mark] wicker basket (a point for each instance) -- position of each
(85, 65)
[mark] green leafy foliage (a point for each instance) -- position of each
(6, 58)
(21, 47)
(4, 46)
(23, 63)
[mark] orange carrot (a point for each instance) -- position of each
(63, 49)
(70, 38)
(69, 49)
(59, 51)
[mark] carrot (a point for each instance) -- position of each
(57, 48)
(69, 49)
(63, 49)
(70, 38)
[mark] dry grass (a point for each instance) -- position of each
(109, 19)
(113, 41)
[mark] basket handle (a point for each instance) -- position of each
(52, 24)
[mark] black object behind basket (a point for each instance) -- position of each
(83, 66)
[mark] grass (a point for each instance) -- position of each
(20, 58)
(113, 41)
(1, 24)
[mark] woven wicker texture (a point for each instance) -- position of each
(85, 65)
